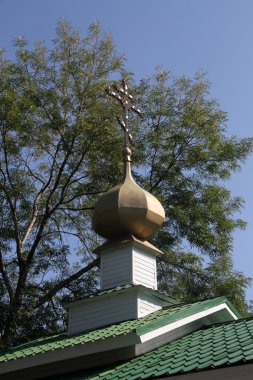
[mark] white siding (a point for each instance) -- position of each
(144, 268)
(147, 306)
(116, 267)
(101, 312)
(128, 264)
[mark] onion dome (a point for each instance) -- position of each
(127, 208)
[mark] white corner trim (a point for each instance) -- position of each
(230, 311)
(174, 325)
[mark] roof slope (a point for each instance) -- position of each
(211, 347)
(140, 326)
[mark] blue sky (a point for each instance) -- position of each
(182, 36)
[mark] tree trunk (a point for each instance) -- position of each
(10, 328)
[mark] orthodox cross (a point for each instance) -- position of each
(126, 100)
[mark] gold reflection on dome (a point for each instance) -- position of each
(127, 208)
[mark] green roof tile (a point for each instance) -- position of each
(139, 326)
(211, 347)
(121, 288)
(181, 357)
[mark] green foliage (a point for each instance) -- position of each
(60, 149)
(189, 158)
(185, 275)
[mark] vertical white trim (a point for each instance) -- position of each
(155, 274)
(132, 263)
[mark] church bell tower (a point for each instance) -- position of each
(127, 216)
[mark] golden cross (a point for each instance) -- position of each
(126, 100)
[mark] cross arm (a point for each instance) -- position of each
(114, 94)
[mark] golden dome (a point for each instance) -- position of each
(127, 208)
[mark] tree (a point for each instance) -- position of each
(60, 149)
(57, 153)
(190, 159)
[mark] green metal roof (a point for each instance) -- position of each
(211, 347)
(121, 288)
(139, 326)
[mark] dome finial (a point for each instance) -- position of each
(127, 208)
(126, 100)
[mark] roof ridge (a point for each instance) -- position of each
(209, 298)
(195, 302)
(185, 310)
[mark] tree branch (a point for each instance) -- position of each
(48, 212)
(34, 217)
(66, 282)
(6, 278)
(15, 222)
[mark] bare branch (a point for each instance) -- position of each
(34, 217)
(48, 211)
(38, 196)
(66, 282)
(34, 175)
(76, 209)
(175, 157)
